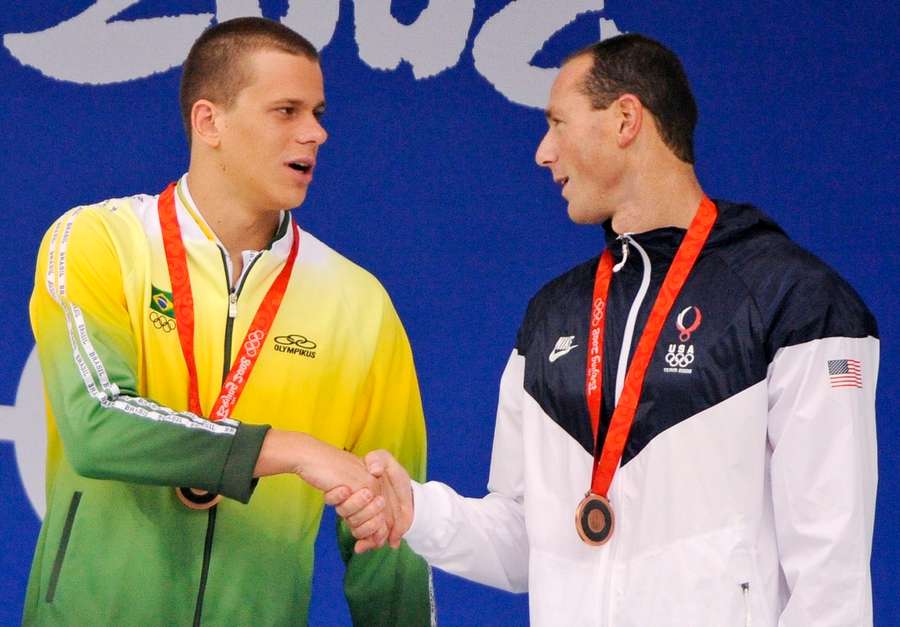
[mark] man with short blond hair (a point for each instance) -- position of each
(198, 349)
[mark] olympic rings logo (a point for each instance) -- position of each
(597, 312)
(253, 342)
(679, 360)
(162, 322)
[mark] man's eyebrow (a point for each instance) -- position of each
(294, 102)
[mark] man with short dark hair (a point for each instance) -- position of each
(686, 426)
(173, 330)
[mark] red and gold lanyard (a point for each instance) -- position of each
(233, 386)
(176, 258)
(606, 461)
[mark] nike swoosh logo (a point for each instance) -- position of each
(555, 354)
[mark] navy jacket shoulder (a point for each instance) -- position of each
(799, 297)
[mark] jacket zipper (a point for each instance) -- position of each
(204, 571)
(628, 337)
(233, 294)
(624, 353)
(745, 590)
(63, 546)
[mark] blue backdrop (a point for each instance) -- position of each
(428, 180)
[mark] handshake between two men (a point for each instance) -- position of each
(373, 495)
(378, 513)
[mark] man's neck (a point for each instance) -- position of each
(238, 226)
(659, 197)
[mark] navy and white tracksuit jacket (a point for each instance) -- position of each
(746, 491)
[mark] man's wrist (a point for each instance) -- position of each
(283, 452)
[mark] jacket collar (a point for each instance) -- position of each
(735, 221)
(194, 226)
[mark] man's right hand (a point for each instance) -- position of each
(358, 512)
(334, 472)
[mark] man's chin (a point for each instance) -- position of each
(580, 215)
(294, 200)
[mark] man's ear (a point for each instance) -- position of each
(205, 122)
(630, 113)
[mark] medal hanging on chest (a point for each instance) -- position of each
(254, 340)
(594, 517)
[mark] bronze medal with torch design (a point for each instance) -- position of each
(594, 519)
(251, 347)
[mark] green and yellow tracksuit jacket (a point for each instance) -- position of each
(117, 547)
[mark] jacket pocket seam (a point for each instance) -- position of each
(63, 547)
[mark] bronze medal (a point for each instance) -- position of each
(594, 520)
(236, 378)
(195, 498)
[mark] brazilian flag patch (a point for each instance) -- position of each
(161, 302)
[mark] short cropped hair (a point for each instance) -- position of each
(216, 67)
(635, 64)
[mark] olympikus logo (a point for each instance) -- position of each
(296, 344)
(563, 346)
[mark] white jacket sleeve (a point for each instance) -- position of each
(484, 539)
(823, 478)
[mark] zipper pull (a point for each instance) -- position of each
(624, 239)
(232, 304)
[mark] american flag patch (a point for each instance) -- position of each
(845, 373)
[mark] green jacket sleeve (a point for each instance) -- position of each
(89, 359)
(388, 586)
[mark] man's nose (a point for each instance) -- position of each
(313, 132)
(545, 155)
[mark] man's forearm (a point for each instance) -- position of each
(318, 463)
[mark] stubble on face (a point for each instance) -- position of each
(268, 126)
(582, 149)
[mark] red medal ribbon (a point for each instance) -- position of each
(176, 258)
(607, 461)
